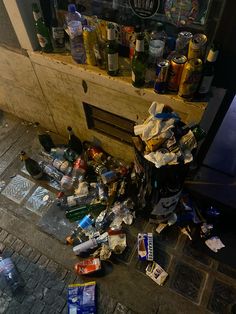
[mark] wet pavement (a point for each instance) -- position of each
(197, 283)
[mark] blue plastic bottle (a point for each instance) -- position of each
(74, 22)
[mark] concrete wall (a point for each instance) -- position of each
(48, 89)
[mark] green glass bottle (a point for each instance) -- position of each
(31, 166)
(112, 51)
(41, 30)
(139, 62)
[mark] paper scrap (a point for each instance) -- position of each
(156, 273)
(215, 244)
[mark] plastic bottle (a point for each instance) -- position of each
(51, 171)
(9, 272)
(74, 28)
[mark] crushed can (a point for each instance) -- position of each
(145, 246)
(161, 76)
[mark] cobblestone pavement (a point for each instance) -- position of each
(45, 283)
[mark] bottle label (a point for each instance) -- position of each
(42, 40)
(113, 62)
(206, 84)
(212, 55)
(133, 76)
(139, 45)
(36, 15)
(58, 33)
(111, 35)
(166, 205)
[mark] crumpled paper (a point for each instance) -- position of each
(153, 126)
(215, 244)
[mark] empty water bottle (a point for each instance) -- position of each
(9, 273)
(75, 31)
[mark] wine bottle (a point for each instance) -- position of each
(31, 166)
(58, 33)
(139, 62)
(74, 142)
(208, 72)
(41, 30)
(112, 52)
(45, 140)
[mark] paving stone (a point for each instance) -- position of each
(39, 291)
(34, 256)
(17, 245)
(3, 305)
(8, 241)
(15, 257)
(3, 235)
(227, 270)
(32, 269)
(20, 296)
(58, 305)
(31, 283)
(65, 310)
(50, 297)
(190, 250)
(120, 309)
(38, 308)
(43, 261)
(58, 287)
(106, 304)
(187, 281)
(61, 273)
(22, 263)
(70, 277)
(222, 297)
(52, 266)
(26, 250)
(7, 252)
(13, 307)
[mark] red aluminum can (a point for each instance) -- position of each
(81, 165)
(175, 72)
(96, 153)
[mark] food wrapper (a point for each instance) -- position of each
(88, 266)
(145, 246)
(82, 298)
(156, 273)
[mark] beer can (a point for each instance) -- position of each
(190, 78)
(175, 72)
(197, 46)
(90, 39)
(161, 76)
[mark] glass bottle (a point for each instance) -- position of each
(112, 51)
(31, 166)
(41, 30)
(58, 33)
(139, 62)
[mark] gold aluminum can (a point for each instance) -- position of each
(190, 78)
(90, 40)
(197, 46)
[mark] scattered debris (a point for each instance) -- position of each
(215, 244)
(156, 273)
(82, 298)
(88, 266)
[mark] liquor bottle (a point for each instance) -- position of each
(74, 142)
(208, 72)
(45, 140)
(58, 33)
(9, 272)
(112, 52)
(41, 30)
(31, 166)
(139, 63)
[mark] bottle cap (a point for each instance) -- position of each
(72, 8)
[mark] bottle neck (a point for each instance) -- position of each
(212, 56)
(111, 34)
(37, 15)
(24, 157)
(139, 45)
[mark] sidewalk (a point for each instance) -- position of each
(197, 283)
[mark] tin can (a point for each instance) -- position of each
(182, 42)
(90, 39)
(80, 166)
(175, 72)
(161, 76)
(197, 46)
(190, 78)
